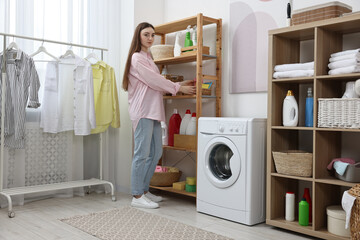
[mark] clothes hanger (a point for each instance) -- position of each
(43, 49)
(92, 55)
(69, 52)
(12, 45)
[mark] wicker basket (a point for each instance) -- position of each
(293, 162)
(162, 51)
(164, 179)
(339, 112)
(319, 12)
(355, 213)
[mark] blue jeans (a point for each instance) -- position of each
(147, 152)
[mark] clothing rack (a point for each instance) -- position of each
(7, 193)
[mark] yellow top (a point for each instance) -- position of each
(105, 97)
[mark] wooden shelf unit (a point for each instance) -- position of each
(199, 20)
(170, 189)
(182, 59)
(325, 143)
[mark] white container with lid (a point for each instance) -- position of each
(336, 221)
(290, 206)
(164, 134)
(185, 121)
(191, 127)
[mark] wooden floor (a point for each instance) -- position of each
(40, 219)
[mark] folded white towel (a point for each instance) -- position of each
(347, 56)
(337, 54)
(347, 203)
(343, 63)
(294, 66)
(345, 70)
(295, 73)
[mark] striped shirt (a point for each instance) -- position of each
(22, 86)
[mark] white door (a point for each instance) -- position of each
(222, 161)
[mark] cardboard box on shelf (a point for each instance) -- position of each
(185, 141)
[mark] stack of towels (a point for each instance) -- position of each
(294, 70)
(344, 62)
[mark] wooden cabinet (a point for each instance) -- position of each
(288, 45)
(180, 25)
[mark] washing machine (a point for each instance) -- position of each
(231, 168)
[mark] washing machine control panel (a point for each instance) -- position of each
(231, 128)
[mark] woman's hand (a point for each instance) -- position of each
(187, 83)
(187, 87)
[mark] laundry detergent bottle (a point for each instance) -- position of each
(185, 121)
(164, 134)
(290, 110)
(191, 127)
(174, 126)
(303, 212)
(308, 199)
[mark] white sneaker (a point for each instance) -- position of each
(143, 202)
(153, 197)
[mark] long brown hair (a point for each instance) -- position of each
(134, 47)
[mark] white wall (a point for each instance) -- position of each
(124, 150)
(233, 105)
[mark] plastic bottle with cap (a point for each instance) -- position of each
(185, 121)
(194, 36)
(188, 41)
(191, 128)
(174, 126)
(309, 108)
(177, 46)
(308, 200)
(303, 212)
(290, 110)
(290, 206)
(164, 134)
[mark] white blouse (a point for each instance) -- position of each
(68, 102)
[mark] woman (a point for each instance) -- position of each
(145, 88)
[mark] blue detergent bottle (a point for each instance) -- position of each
(309, 108)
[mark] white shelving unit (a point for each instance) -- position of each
(8, 193)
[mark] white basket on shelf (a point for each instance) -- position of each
(339, 112)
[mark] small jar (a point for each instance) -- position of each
(290, 206)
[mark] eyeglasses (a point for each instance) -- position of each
(146, 35)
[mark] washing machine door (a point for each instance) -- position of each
(222, 162)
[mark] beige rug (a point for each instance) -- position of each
(129, 223)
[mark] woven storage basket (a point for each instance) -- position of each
(355, 213)
(339, 113)
(162, 51)
(293, 162)
(165, 179)
(319, 12)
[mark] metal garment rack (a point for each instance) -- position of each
(7, 193)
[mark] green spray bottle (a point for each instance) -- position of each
(188, 42)
(303, 212)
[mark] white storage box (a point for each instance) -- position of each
(336, 221)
